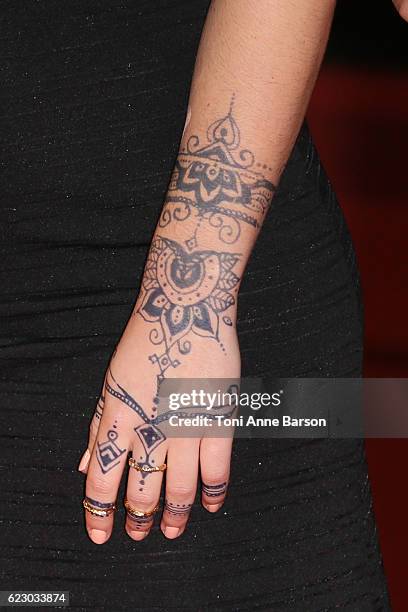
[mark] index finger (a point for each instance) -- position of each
(105, 471)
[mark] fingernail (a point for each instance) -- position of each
(98, 536)
(84, 461)
(138, 535)
(212, 507)
(171, 532)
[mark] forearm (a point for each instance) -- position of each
(254, 73)
(256, 67)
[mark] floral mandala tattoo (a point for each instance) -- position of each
(220, 181)
(185, 292)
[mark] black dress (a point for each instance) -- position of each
(94, 100)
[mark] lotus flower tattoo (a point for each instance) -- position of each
(186, 292)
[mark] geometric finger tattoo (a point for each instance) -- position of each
(214, 490)
(99, 407)
(177, 509)
(141, 522)
(109, 453)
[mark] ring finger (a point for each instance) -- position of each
(181, 485)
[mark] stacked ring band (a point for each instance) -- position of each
(99, 509)
(139, 513)
(146, 468)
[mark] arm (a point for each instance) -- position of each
(255, 71)
(254, 74)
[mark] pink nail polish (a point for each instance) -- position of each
(84, 461)
(138, 535)
(171, 532)
(212, 507)
(98, 536)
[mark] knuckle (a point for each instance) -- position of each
(143, 500)
(179, 491)
(216, 477)
(99, 486)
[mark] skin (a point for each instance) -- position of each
(402, 8)
(254, 74)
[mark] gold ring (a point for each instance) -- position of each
(138, 513)
(103, 510)
(146, 468)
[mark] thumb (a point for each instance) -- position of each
(93, 432)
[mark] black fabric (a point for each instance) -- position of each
(94, 99)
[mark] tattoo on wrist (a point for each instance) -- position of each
(187, 290)
(219, 182)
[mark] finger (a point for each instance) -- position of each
(106, 466)
(181, 485)
(143, 490)
(215, 463)
(93, 432)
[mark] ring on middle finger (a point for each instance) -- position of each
(137, 514)
(146, 468)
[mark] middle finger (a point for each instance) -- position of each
(143, 490)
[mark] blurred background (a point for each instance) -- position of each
(359, 119)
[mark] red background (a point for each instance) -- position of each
(359, 119)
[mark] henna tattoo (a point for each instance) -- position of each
(98, 504)
(214, 490)
(109, 453)
(221, 181)
(185, 292)
(141, 522)
(149, 432)
(177, 509)
(99, 407)
(125, 398)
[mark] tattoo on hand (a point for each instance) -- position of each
(177, 509)
(109, 453)
(148, 432)
(186, 290)
(214, 490)
(99, 407)
(141, 523)
(185, 293)
(98, 504)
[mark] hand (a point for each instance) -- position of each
(124, 419)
